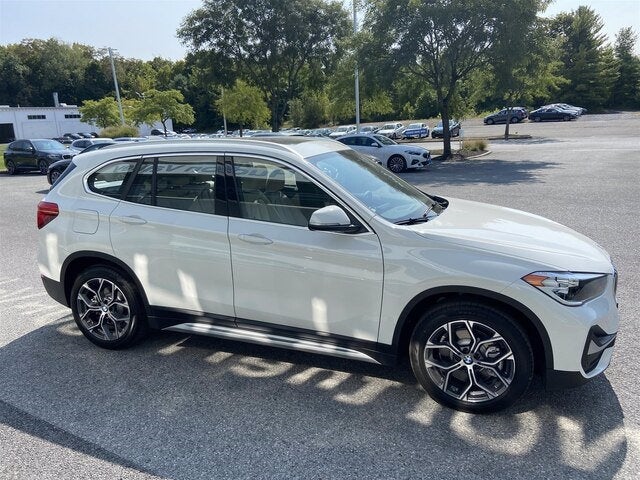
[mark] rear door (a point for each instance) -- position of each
(171, 229)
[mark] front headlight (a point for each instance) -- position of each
(413, 152)
(572, 289)
(54, 155)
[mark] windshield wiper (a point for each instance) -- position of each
(411, 220)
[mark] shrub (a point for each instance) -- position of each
(120, 131)
(478, 145)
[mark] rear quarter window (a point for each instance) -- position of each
(111, 179)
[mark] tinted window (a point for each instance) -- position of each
(271, 192)
(111, 179)
(348, 140)
(141, 190)
(186, 183)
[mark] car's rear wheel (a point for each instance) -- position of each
(536, 119)
(107, 308)
(396, 164)
(471, 357)
(43, 166)
(490, 121)
(11, 167)
(566, 118)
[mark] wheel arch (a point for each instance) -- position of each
(77, 262)
(530, 323)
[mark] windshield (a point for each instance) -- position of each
(48, 145)
(342, 129)
(384, 140)
(378, 189)
(389, 126)
(414, 125)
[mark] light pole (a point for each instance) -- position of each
(115, 82)
(355, 31)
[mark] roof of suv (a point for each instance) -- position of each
(300, 146)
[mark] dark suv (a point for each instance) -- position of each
(36, 154)
(517, 115)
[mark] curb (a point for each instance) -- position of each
(480, 155)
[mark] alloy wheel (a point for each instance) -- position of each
(469, 361)
(103, 309)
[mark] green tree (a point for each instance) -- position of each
(523, 66)
(626, 90)
(268, 42)
(588, 64)
(441, 41)
(161, 106)
(244, 105)
(102, 113)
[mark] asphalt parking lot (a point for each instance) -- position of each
(193, 407)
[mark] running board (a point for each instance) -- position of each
(260, 338)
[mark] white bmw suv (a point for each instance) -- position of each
(304, 244)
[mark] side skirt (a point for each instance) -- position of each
(235, 333)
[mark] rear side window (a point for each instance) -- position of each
(111, 179)
(180, 183)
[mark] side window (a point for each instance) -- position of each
(275, 193)
(111, 179)
(141, 190)
(349, 141)
(186, 183)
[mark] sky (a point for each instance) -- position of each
(145, 29)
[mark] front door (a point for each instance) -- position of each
(286, 275)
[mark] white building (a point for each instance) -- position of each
(49, 122)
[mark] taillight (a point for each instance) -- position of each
(47, 211)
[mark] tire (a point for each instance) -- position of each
(101, 294)
(566, 118)
(463, 368)
(396, 164)
(43, 166)
(11, 167)
(515, 120)
(490, 121)
(536, 119)
(54, 175)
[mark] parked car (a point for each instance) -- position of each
(79, 145)
(571, 108)
(321, 132)
(160, 132)
(454, 129)
(56, 169)
(130, 139)
(395, 157)
(342, 130)
(368, 267)
(34, 154)
(416, 130)
(391, 130)
(518, 114)
(552, 113)
(73, 136)
(369, 129)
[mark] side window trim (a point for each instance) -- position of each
(232, 194)
(85, 179)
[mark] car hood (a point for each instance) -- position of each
(64, 151)
(518, 234)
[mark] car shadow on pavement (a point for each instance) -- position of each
(195, 407)
(482, 170)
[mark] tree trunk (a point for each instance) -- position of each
(446, 134)
(164, 126)
(240, 130)
(275, 120)
(507, 122)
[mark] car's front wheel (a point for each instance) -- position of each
(107, 308)
(396, 164)
(43, 166)
(54, 175)
(471, 357)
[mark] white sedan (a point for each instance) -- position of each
(392, 130)
(395, 157)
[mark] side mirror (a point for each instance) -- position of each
(374, 144)
(332, 219)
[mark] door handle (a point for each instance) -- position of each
(255, 238)
(133, 220)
